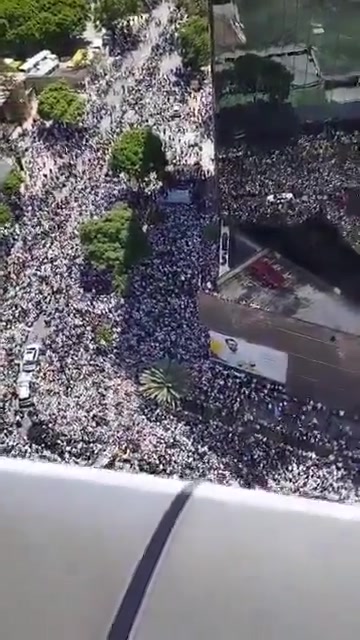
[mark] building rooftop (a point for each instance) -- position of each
(8, 82)
(332, 28)
(267, 281)
(5, 168)
(228, 30)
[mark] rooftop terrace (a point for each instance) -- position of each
(269, 282)
(331, 27)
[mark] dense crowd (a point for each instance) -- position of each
(87, 406)
(317, 170)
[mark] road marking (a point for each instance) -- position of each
(308, 378)
(326, 364)
(321, 384)
(303, 335)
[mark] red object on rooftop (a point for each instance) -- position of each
(267, 274)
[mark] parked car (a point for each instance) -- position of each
(177, 111)
(23, 391)
(30, 357)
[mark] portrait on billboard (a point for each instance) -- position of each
(249, 357)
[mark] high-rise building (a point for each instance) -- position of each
(286, 77)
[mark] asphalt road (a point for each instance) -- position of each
(322, 364)
(134, 60)
(37, 333)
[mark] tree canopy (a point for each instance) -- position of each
(107, 13)
(30, 25)
(5, 214)
(257, 74)
(137, 153)
(114, 243)
(61, 103)
(194, 7)
(166, 382)
(194, 39)
(12, 183)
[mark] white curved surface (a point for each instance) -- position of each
(70, 540)
(239, 564)
(258, 569)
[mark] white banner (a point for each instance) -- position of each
(249, 357)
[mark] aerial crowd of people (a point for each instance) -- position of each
(316, 170)
(88, 409)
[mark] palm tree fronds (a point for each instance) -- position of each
(165, 382)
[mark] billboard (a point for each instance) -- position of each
(176, 196)
(249, 357)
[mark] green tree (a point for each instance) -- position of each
(108, 13)
(155, 215)
(12, 183)
(104, 335)
(194, 7)
(5, 215)
(4, 25)
(166, 382)
(30, 25)
(137, 153)
(194, 39)
(114, 243)
(61, 103)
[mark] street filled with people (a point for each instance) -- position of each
(315, 172)
(87, 406)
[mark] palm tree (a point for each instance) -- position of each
(166, 382)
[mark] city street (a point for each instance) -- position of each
(98, 401)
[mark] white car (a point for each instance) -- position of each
(23, 391)
(177, 111)
(279, 197)
(30, 357)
